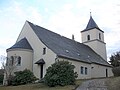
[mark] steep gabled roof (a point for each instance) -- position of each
(67, 48)
(23, 43)
(91, 25)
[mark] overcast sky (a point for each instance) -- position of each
(65, 17)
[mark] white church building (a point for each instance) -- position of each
(37, 48)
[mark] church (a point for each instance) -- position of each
(37, 48)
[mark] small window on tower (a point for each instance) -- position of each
(44, 51)
(88, 37)
(99, 36)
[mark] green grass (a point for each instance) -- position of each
(113, 83)
(40, 86)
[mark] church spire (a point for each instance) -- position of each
(91, 24)
(90, 14)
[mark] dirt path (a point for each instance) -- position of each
(95, 84)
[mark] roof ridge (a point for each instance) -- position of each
(43, 28)
(54, 32)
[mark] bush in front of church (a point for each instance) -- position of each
(23, 77)
(60, 73)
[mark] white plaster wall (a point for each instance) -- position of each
(77, 69)
(99, 48)
(97, 45)
(26, 58)
(37, 46)
(100, 71)
(110, 73)
(94, 70)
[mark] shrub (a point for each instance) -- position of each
(60, 73)
(116, 71)
(23, 77)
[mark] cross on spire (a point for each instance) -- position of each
(90, 13)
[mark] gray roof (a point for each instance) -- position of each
(23, 43)
(91, 25)
(67, 48)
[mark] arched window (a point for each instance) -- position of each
(88, 37)
(19, 61)
(86, 71)
(44, 51)
(7, 63)
(12, 60)
(100, 36)
(82, 70)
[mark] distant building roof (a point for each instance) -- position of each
(67, 48)
(91, 25)
(23, 43)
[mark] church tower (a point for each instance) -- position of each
(93, 36)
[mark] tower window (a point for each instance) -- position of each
(88, 37)
(99, 36)
(44, 51)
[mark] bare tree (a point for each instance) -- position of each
(9, 66)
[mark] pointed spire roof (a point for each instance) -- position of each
(91, 25)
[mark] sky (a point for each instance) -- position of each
(65, 17)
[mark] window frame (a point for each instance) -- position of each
(82, 70)
(99, 36)
(19, 61)
(12, 60)
(44, 50)
(88, 37)
(86, 70)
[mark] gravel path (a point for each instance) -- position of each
(95, 84)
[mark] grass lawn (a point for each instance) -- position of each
(40, 86)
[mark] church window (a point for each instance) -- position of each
(88, 37)
(81, 69)
(7, 61)
(19, 61)
(44, 51)
(86, 71)
(12, 60)
(99, 36)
